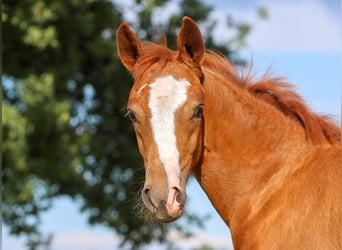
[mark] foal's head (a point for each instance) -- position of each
(165, 106)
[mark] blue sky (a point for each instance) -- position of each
(301, 40)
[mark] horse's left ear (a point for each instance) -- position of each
(129, 46)
(190, 42)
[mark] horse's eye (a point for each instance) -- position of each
(198, 113)
(131, 115)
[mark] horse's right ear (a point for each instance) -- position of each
(128, 45)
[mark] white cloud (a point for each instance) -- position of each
(219, 242)
(293, 26)
(304, 26)
(90, 239)
(85, 240)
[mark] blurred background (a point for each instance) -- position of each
(71, 172)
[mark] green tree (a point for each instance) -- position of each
(64, 130)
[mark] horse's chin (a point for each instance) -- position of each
(166, 213)
(163, 212)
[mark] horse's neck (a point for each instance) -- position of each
(246, 141)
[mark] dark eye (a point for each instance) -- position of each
(198, 113)
(131, 115)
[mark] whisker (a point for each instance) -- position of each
(141, 211)
(138, 206)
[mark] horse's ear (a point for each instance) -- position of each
(129, 46)
(190, 42)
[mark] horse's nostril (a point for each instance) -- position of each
(146, 190)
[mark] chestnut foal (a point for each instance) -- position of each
(270, 166)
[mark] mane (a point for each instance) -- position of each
(274, 91)
(277, 92)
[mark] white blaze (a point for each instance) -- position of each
(167, 94)
(141, 88)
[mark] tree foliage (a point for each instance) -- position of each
(64, 130)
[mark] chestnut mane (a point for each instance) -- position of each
(274, 91)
